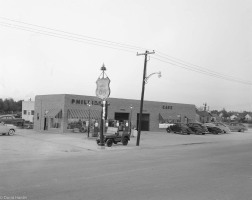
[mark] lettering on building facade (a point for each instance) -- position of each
(167, 107)
(85, 102)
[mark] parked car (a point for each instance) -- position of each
(10, 119)
(222, 126)
(113, 135)
(213, 129)
(198, 128)
(237, 127)
(7, 129)
(180, 128)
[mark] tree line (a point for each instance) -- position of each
(10, 106)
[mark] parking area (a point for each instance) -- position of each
(27, 143)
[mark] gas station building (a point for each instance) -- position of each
(64, 112)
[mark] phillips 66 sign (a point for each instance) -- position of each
(103, 89)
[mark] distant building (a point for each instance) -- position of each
(28, 110)
(248, 117)
(203, 116)
(215, 118)
(233, 117)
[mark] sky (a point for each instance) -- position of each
(203, 49)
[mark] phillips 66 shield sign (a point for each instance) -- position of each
(103, 89)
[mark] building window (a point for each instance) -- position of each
(25, 111)
(55, 122)
(32, 112)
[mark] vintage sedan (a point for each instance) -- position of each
(213, 129)
(198, 128)
(10, 119)
(7, 129)
(181, 128)
(237, 127)
(222, 126)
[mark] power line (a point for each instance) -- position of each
(203, 72)
(114, 45)
(76, 35)
(67, 37)
(196, 67)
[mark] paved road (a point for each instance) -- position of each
(214, 170)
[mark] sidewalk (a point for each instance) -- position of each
(147, 139)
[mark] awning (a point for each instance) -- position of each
(53, 112)
(83, 114)
(160, 118)
(167, 116)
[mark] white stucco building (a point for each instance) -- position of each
(28, 110)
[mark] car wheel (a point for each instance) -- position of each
(98, 142)
(168, 130)
(11, 132)
(125, 141)
(109, 142)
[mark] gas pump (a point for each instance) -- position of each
(126, 126)
(96, 129)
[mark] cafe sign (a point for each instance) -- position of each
(103, 89)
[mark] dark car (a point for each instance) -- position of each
(213, 129)
(198, 128)
(113, 135)
(10, 119)
(180, 128)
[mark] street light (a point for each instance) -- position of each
(88, 117)
(131, 107)
(145, 80)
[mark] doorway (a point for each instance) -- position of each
(121, 116)
(45, 124)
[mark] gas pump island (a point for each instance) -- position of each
(103, 92)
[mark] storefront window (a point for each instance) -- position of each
(76, 123)
(81, 124)
(55, 122)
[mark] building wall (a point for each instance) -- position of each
(67, 102)
(153, 109)
(44, 103)
(28, 110)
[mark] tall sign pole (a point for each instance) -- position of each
(103, 92)
(142, 96)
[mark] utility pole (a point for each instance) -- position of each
(142, 96)
(205, 105)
